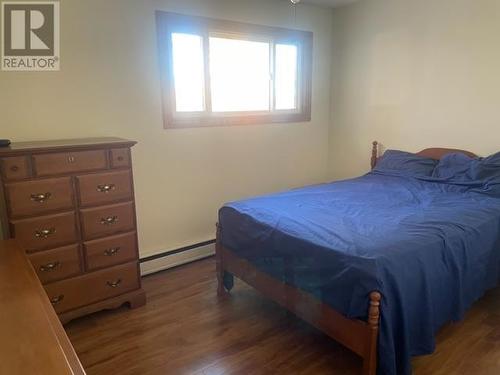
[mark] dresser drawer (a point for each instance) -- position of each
(15, 168)
(37, 197)
(45, 232)
(109, 251)
(102, 188)
(68, 162)
(120, 158)
(57, 264)
(102, 221)
(83, 290)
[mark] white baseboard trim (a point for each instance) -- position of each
(169, 261)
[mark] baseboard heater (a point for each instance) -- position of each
(177, 257)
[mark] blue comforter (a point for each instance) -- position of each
(430, 247)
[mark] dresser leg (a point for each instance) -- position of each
(138, 300)
(134, 299)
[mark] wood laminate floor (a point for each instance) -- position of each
(185, 329)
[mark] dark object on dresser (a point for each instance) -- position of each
(4, 142)
(70, 205)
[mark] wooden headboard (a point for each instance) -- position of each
(433, 153)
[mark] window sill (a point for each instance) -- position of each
(198, 122)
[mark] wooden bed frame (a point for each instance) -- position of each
(359, 336)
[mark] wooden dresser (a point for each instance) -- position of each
(70, 205)
(33, 339)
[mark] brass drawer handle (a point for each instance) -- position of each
(111, 251)
(40, 198)
(114, 284)
(106, 188)
(71, 159)
(110, 220)
(50, 266)
(44, 233)
(56, 300)
(14, 168)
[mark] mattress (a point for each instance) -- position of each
(430, 247)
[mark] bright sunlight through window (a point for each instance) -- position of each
(188, 72)
(221, 73)
(239, 75)
(286, 77)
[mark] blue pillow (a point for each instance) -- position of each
(486, 169)
(455, 166)
(406, 163)
(462, 168)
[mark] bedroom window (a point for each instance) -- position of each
(226, 73)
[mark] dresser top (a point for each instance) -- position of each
(62, 144)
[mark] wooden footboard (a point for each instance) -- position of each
(359, 336)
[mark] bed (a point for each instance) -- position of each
(380, 262)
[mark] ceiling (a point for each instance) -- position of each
(329, 3)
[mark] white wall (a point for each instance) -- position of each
(109, 86)
(413, 74)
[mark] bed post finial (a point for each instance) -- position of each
(374, 311)
(374, 154)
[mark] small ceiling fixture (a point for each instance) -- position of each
(294, 6)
